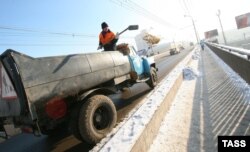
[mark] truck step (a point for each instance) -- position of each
(142, 80)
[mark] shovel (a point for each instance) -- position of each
(130, 27)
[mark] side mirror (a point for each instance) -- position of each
(133, 27)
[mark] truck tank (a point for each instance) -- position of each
(40, 79)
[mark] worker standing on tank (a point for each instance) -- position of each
(107, 39)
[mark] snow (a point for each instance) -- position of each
(175, 126)
(174, 132)
(191, 72)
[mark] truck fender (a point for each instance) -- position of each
(103, 91)
(148, 63)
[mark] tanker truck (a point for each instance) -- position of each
(41, 94)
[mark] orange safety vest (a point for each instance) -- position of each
(109, 36)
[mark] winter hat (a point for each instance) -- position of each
(104, 25)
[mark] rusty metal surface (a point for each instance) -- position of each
(46, 77)
(8, 108)
(60, 76)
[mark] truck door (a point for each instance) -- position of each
(136, 62)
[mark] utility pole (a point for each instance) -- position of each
(225, 41)
(196, 34)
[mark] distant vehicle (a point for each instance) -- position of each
(174, 49)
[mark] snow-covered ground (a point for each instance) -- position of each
(174, 131)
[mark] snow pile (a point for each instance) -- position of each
(196, 55)
(126, 134)
(191, 72)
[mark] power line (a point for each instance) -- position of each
(46, 32)
(132, 6)
(129, 7)
(40, 33)
(45, 44)
(151, 14)
(184, 27)
(186, 7)
(190, 3)
(28, 37)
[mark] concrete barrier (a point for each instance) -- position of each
(136, 133)
(238, 64)
(146, 138)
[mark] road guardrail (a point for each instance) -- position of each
(233, 49)
(239, 64)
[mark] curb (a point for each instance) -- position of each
(147, 137)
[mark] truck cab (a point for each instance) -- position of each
(174, 49)
(143, 68)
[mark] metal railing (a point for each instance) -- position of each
(233, 57)
(233, 49)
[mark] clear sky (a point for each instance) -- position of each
(58, 27)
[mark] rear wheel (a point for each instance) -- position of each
(152, 82)
(97, 117)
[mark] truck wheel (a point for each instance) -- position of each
(152, 82)
(97, 117)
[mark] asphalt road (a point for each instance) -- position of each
(62, 140)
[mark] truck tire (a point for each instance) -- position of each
(152, 82)
(97, 117)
